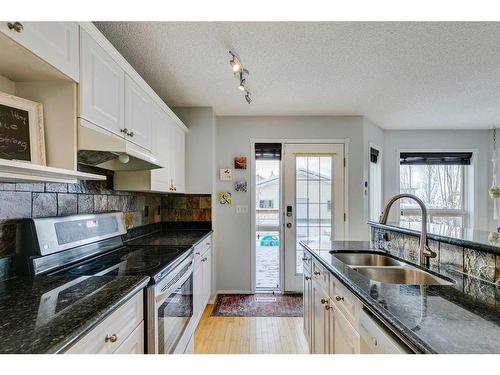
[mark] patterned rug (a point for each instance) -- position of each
(253, 305)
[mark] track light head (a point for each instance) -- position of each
(235, 64)
(242, 84)
(248, 98)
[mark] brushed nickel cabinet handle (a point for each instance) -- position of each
(124, 130)
(327, 307)
(111, 338)
(131, 134)
(197, 253)
(307, 278)
(317, 273)
(339, 298)
(16, 26)
(323, 301)
(204, 259)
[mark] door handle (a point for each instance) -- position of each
(288, 225)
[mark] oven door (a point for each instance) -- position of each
(173, 308)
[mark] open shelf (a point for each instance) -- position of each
(18, 171)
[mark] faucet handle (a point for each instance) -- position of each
(429, 253)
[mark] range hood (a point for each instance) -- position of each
(100, 148)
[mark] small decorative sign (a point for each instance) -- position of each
(226, 174)
(21, 129)
(240, 162)
(225, 197)
(240, 185)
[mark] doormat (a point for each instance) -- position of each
(258, 305)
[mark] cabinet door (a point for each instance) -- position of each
(55, 42)
(134, 343)
(344, 337)
(320, 317)
(307, 307)
(207, 277)
(177, 158)
(138, 111)
(198, 292)
(160, 178)
(102, 86)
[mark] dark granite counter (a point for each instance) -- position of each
(171, 237)
(459, 236)
(432, 319)
(49, 313)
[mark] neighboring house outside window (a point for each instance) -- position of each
(266, 203)
(440, 181)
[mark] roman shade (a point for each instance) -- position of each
(268, 151)
(435, 158)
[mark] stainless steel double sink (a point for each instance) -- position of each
(385, 269)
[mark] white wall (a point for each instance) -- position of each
(233, 134)
(477, 140)
(200, 144)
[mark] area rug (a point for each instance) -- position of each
(258, 305)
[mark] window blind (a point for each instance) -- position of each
(373, 155)
(268, 151)
(435, 158)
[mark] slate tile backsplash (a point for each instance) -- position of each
(182, 208)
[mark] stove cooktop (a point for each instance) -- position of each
(152, 261)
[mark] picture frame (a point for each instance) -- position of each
(240, 186)
(240, 162)
(226, 174)
(22, 135)
(225, 198)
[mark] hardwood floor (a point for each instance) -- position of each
(236, 335)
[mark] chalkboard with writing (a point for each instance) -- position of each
(14, 133)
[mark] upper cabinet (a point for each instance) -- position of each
(54, 42)
(102, 86)
(138, 112)
(176, 159)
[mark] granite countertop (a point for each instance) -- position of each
(460, 236)
(172, 237)
(434, 319)
(47, 314)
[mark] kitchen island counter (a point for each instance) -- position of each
(461, 318)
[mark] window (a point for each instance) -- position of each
(265, 203)
(439, 179)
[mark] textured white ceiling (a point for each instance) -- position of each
(399, 75)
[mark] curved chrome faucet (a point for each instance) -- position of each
(425, 252)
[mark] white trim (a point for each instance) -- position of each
(380, 150)
(94, 32)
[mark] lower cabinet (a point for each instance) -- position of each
(120, 333)
(330, 314)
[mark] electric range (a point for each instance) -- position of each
(91, 245)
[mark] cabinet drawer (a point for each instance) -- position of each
(346, 302)
(201, 249)
(320, 274)
(121, 323)
(307, 262)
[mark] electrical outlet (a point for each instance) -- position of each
(242, 209)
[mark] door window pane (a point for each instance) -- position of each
(267, 260)
(267, 197)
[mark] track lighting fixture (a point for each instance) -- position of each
(240, 73)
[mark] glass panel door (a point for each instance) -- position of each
(313, 201)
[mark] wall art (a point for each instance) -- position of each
(240, 185)
(226, 174)
(240, 162)
(225, 197)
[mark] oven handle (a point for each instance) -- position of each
(162, 296)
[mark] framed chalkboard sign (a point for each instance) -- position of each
(21, 130)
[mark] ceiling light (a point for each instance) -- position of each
(124, 158)
(242, 84)
(235, 64)
(248, 98)
(240, 72)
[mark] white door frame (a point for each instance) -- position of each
(251, 190)
(381, 161)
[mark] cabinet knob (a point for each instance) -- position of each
(204, 259)
(317, 273)
(16, 26)
(111, 338)
(304, 259)
(307, 278)
(124, 130)
(323, 301)
(339, 298)
(197, 253)
(327, 307)
(131, 134)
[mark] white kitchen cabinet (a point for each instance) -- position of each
(118, 333)
(55, 42)
(344, 338)
(160, 178)
(138, 112)
(320, 319)
(102, 86)
(307, 291)
(207, 277)
(176, 157)
(202, 278)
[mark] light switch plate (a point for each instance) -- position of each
(243, 209)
